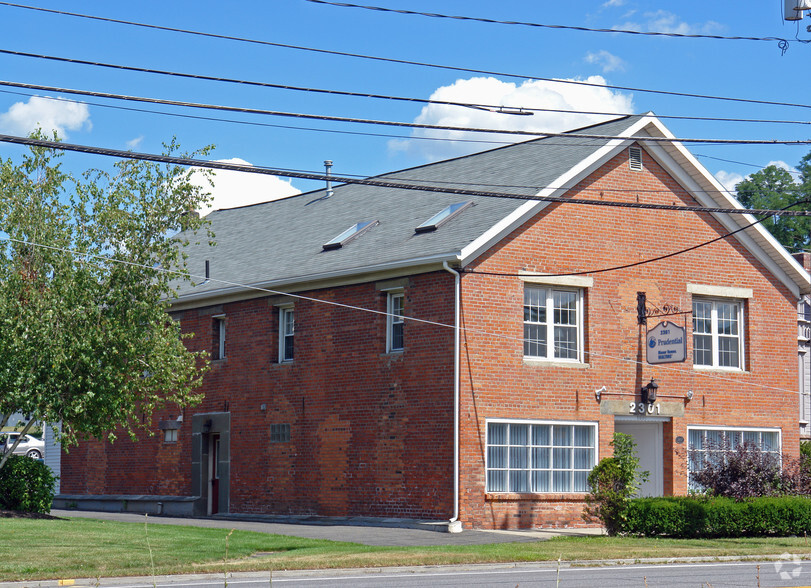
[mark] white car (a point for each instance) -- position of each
(29, 446)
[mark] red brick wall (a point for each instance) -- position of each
(497, 383)
(371, 433)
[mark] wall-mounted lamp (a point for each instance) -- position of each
(689, 395)
(649, 391)
(598, 393)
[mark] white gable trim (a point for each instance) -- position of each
(687, 170)
(709, 195)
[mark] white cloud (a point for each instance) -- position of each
(607, 61)
(784, 165)
(611, 3)
(729, 180)
(233, 189)
(662, 21)
(133, 143)
(48, 114)
(530, 94)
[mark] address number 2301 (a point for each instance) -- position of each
(642, 408)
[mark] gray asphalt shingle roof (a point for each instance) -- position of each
(281, 240)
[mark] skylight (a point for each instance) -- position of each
(442, 216)
(351, 233)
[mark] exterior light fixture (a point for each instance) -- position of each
(649, 391)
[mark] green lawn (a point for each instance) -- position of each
(86, 548)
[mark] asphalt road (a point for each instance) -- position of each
(710, 574)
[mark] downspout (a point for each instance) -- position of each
(455, 525)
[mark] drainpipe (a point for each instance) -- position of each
(455, 525)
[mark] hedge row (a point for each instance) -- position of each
(687, 516)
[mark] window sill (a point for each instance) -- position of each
(535, 496)
(532, 361)
(712, 368)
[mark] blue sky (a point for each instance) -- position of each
(741, 69)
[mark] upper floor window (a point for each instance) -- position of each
(552, 323)
(287, 330)
(218, 346)
(394, 322)
(806, 314)
(718, 333)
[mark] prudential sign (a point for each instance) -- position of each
(666, 343)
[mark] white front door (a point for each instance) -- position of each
(648, 439)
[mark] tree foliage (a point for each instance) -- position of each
(88, 267)
(613, 482)
(775, 188)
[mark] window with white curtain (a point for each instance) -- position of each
(540, 457)
(705, 446)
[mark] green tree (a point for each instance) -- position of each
(774, 188)
(88, 267)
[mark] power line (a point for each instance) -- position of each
(169, 159)
(497, 109)
(660, 257)
(546, 26)
(404, 61)
(188, 275)
(324, 117)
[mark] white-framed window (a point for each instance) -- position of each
(708, 444)
(394, 322)
(218, 346)
(718, 333)
(546, 456)
(287, 331)
(170, 435)
(553, 324)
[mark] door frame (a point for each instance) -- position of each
(657, 476)
(205, 428)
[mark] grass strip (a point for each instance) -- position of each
(87, 548)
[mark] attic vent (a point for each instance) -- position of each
(442, 216)
(348, 235)
(635, 158)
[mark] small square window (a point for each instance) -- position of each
(280, 433)
(170, 435)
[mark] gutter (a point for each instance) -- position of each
(454, 524)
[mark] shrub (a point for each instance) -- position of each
(746, 471)
(613, 482)
(704, 517)
(26, 484)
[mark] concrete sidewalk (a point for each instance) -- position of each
(398, 532)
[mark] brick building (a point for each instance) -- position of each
(388, 352)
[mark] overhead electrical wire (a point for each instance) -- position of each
(496, 109)
(184, 161)
(368, 134)
(782, 211)
(404, 61)
(189, 275)
(547, 26)
(323, 117)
